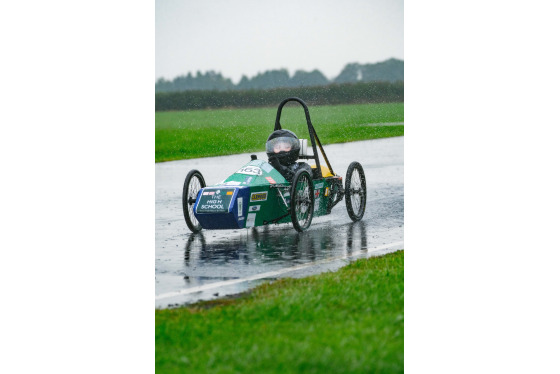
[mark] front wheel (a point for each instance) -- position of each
(194, 182)
(301, 200)
(355, 192)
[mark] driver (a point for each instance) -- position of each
(282, 148)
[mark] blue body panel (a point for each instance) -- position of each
(231, 217)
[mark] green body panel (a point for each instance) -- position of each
(321, 201)
(255, 174)
(267, 187)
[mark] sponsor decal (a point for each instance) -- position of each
(254, 208)
(211, 205)
(247, 180)
(317, 193)
(251, 219)
(259, 196)
(239, 206)
(327, 191)
(319, 185)
(213, 201)
(270, 180)
(250, 170)
(231, 183)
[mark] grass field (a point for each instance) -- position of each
(205, 133)
(349, 321)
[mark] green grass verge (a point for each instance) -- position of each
(206, 133)
(349, 321)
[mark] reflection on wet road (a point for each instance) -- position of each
(191, 267)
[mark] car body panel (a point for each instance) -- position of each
(255, 195)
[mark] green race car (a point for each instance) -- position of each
(279, 190)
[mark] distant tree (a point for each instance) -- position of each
(267, 80)
(305, 79)
(391, 70)
(349, 74)
(214, 81)
(244, 83)
(207, 81)
(163, 85)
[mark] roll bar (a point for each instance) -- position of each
(312, 134)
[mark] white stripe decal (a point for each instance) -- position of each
(270, 274)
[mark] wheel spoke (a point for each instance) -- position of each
(301, 205)
(194, 182)
(355, 190)
(194, 187)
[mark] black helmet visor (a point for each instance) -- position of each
(282, 144)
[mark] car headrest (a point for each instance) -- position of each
(303, 147)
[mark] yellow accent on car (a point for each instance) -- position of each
(324, 170)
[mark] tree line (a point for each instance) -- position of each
(391, 70)
(331, 94)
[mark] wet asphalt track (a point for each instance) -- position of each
(191, 267)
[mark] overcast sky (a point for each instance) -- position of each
(239, 37)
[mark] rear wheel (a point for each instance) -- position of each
(355, 191)
(194, 182)
(301, 200)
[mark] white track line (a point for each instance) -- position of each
(270, 274)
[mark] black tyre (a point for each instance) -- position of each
(355, 192)
(301, 200)
(194, 182)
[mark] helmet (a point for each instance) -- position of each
(284, 146)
